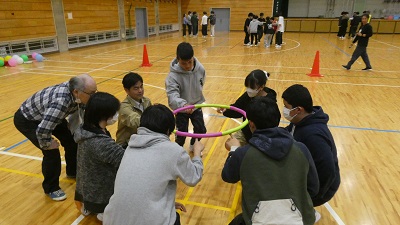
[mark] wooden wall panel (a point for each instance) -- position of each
(168, 12)
(21, 19)
(386, 27)
(91, 15)
(239, 9)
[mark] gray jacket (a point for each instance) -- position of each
(98, 159)
(146, 182)
(185, 87)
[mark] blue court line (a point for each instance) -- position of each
(15, 145)
(336, 47)
(335, 126)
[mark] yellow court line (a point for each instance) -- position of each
(33, 174)
(235, 201)
(204, 205)
(207, 158)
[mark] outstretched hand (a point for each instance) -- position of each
(180, 206)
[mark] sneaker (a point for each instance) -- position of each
(345, 67)
(317, 216)
(100, 216)
(58, 195)
(84, 211)
(367, 68)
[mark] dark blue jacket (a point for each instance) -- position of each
(314, 133)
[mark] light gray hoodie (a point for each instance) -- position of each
(185, 87)
(145, 186)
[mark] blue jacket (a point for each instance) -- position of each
(314, 133)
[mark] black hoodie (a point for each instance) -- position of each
(313, 131)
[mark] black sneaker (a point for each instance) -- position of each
(345, 67)
(367, 68)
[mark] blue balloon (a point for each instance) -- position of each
(39, 58)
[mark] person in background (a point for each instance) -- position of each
(184, 24)
(213, 20)
(362, 38)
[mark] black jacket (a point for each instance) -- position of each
(364, 29)
(242, 103)
(314, 133)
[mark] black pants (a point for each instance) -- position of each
(254, 36)
(260, 34)
(359, 51)
(247, 37)
(182, 123)
(195, 29)
(278, 38)
(51, 164)
(342, 31)
(184, 29)
(189, 29)
(238, 220)
(204, 29)
(178, 219)
(352, 31)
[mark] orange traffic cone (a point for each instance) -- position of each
(145, 61)
(315, 68)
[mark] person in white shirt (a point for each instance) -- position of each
(279, 32)
(204, 24)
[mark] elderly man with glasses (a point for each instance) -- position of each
(43, 115)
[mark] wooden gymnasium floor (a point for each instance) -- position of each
(363, 109)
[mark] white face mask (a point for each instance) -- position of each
(113, 120)
(286, 113)
(251, 92)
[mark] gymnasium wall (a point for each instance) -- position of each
(239, 9)
(168, 12)
(151, 14)
(333, 8)
(22, 19)
(91, 15)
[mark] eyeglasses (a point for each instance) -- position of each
(90, 94)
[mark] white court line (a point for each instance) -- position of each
(25, 156)
(334, 214)
(78, 220)
(1, 148)
(386, 43)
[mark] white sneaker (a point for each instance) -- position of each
(84, 211)
(100, 216)
(317, 216)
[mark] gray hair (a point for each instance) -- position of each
(76, 83)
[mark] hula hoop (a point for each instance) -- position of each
(217, 134)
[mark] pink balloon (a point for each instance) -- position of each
(34, 55)
(12, 62)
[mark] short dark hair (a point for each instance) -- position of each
(212, 12)
(263, 112)
(261, 14)
(250, 14)
(101, 106)
(158, 118)
(298, 95)
(131, 79)
(365, 15)
(184, 51)
(256, 78)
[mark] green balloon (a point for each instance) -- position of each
(24, 57)
(1, 63)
